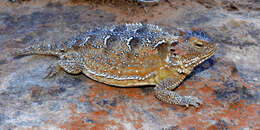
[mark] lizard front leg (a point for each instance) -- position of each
(163, 92)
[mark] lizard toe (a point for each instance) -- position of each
(190, 100)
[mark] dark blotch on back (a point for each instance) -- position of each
(135, 42)
(119, 28)
(81, 40)
(163, 49)
(142, 30)
(112, 41)
(91, 40)
(72, 42)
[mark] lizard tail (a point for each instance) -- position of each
(40, 49)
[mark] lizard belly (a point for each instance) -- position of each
(121, 82)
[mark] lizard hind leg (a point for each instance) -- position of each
(71, 63)
(52, 70)
(163, 92)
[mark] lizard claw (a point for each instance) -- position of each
(52, 70)
(190, 100)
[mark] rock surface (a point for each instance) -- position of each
(228, 83)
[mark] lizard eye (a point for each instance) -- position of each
(174, 43)
(198, 44)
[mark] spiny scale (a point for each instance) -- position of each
(132, 55)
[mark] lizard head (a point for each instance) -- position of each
(186, 54)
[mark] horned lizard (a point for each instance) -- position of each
(127, 55)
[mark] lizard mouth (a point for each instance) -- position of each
(205, 57)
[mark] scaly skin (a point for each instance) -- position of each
(133, 55)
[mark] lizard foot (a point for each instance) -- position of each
(190, 100)
(52, 70)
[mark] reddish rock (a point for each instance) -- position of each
(228, 83)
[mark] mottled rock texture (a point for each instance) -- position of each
(228, 83)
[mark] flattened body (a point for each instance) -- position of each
(133, 55)
(123, 55)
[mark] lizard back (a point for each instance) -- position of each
(122, 55)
